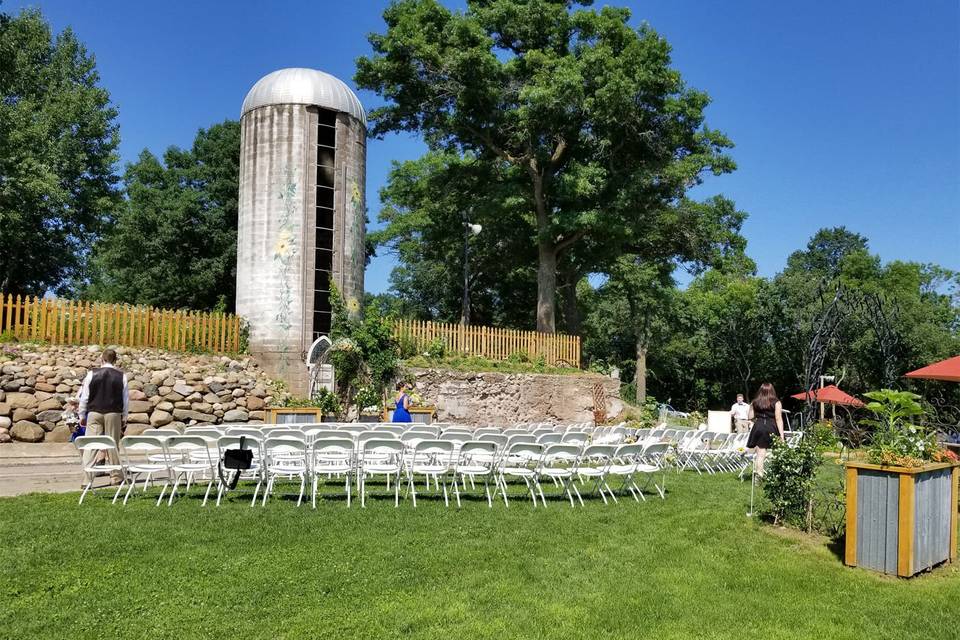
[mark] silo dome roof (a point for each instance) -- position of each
(304, 86)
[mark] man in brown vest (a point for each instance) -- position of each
(103, 405)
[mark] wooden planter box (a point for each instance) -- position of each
(420, 415)
(901, 520)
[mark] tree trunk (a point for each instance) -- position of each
(546, 287)
(640, 378)
(571, 310)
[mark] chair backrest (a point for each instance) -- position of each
(190, 444)
(393, 448)
(484, 431)
(455, 436)
(341, 448)
(133, 448)
(654, 453)
(284, 444)
(497, 438)
(630, 453)
(95, 443)
(389, 429)
(285, 433)
(478, 452)
(416, 435)
(549, 438)
(539, 431)
(204, 432)
(514, 431)
(526, 452)
(244, 431)
(562, 453)
(232, 441)
(162, 431)
(442, 450)
(598, 452)
(363, 436)
(326, 434)
(520, 437)
(574, 437)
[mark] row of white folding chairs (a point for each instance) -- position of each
(184, 457)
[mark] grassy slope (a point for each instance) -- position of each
(690, 566)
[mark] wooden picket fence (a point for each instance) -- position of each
(60, 321)
(557, 349)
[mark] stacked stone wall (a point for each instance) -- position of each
(166, 389)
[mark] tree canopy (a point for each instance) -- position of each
(174, 243)
(582, 115)
(58, 140)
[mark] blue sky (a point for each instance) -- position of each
(842, 112)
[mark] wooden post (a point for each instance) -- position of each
(954, 487)
(850, 551)
(905, 526)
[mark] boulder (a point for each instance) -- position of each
(155, 365)
(238, 393)
(211, 398)
(5, 409)
(42, 395)
(136, 429)
(254, 403)
(186, 414)
(164, 406)
(60, 433)
(194, 397)
(24, 414)
(183, 404)
(45, 386)
(25, 431)
(151, 390)
(236, 415)
(215, 387)
(160, 418)
(256, 415)
(22, 401)
(137, 394)
(138, 418)
(5, 422)
(183, 389)
(173, 396)
(64, 388)
(50, 403)
(13, 385)
(202, 407)
(139, 406)
(259, 392)
(50, 415)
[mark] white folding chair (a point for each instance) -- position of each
(255, 472)
(559, 463)
(98, 445)
(549, 438)
(594, 465)
(332, 457)
(521, 460)
(146, 457)
(476, 459)
(431, 459)
(380, 457)
(575, 437)
(284, 456)
(189, 456)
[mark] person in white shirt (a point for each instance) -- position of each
(104, 401)
(740, 412)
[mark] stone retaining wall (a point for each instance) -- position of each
(166, 389)
(484, 398)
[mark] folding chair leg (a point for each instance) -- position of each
(173, 492)
(206, 495)
(611, 491)
(347, 474)
(86, 489)
(313, 495)
(129, 489)
(486, 488)
(575, 490)
(412, 490)
(396, 490)
(116, 493)
(303, 482)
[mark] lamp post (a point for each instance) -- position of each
(469, 229)
(822, 380)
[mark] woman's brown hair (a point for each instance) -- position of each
(766, 398)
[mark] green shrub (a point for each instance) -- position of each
(896, 439)
(436, 349)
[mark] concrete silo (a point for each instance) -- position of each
(301, 213)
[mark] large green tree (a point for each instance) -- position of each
(174, 243)
(58, 138)
(581, 111)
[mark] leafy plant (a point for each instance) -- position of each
(896, 439)
(788, 481)
(435, 349)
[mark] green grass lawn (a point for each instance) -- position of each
(692, 566)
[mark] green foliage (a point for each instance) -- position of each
(8, 336)
(897, 439)
(58, 141)
(326, 400)
(559, 106)
(788, 481)
(435, 349)
(364, 353)
(174, 243)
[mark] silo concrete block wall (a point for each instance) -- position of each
(351, 217)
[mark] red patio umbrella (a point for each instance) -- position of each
(948, 370)
(829, 395)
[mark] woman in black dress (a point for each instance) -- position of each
(767, 416)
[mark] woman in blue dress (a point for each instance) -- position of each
(402, 412)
